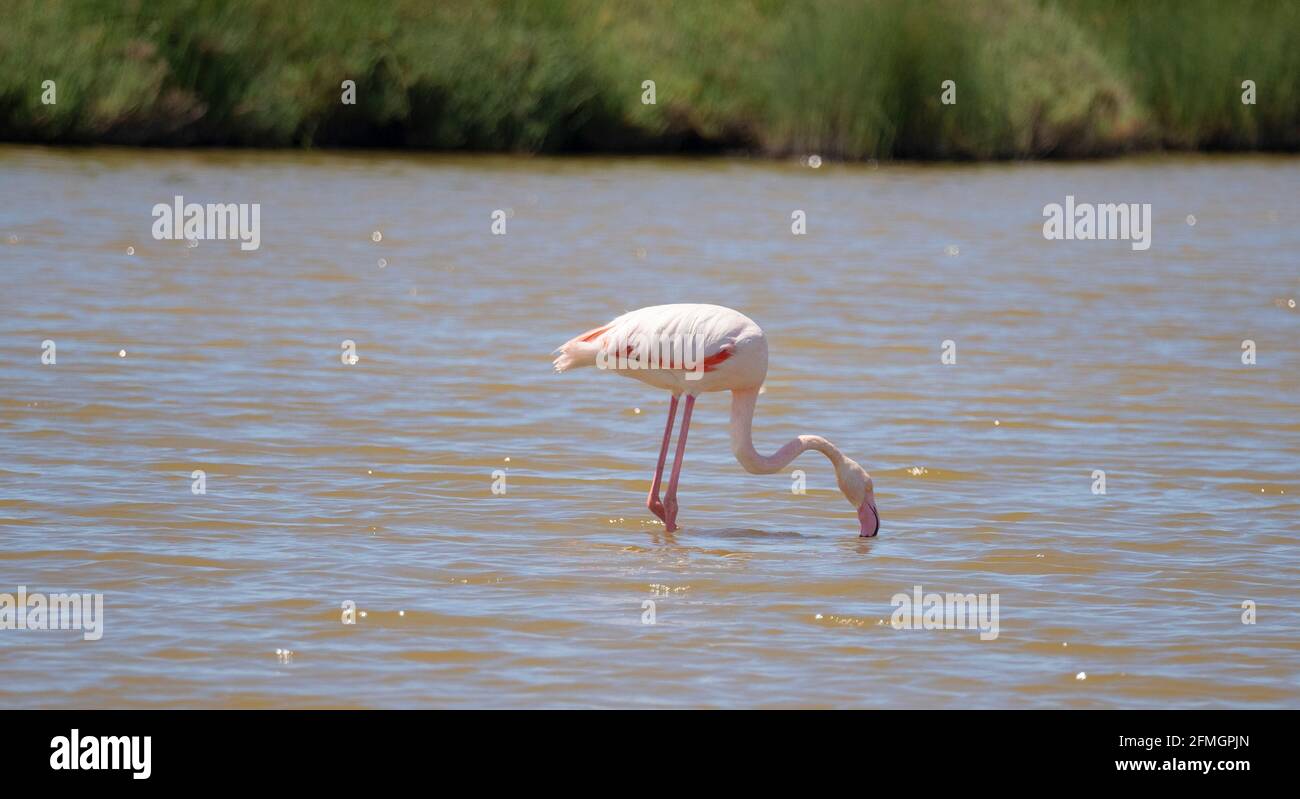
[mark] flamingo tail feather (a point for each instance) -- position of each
(580, 351)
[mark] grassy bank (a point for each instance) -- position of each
(845, 79)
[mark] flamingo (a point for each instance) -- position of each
(730, 353)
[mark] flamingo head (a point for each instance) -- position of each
(857, 487)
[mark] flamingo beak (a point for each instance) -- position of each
(869, 518)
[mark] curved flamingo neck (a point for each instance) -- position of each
(743, 402)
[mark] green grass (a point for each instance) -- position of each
(844, 78)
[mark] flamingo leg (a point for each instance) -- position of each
(670, 497)
(652, 502)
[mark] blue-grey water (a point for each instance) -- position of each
(372, 482)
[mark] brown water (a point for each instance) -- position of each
(372, 482)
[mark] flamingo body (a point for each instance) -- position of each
(720, 350)
(734, 348)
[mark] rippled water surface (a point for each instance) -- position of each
(372, 482)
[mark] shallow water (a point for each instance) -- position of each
(372, 482)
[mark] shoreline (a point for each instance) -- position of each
(730, 156)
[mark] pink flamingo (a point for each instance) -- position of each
(691, 349)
